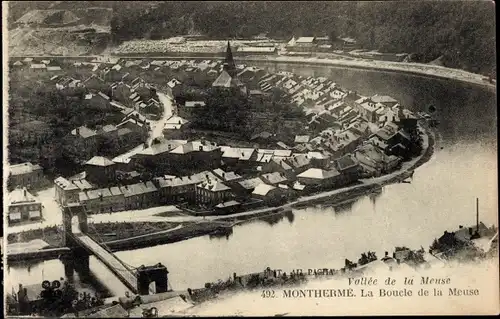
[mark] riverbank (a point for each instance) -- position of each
(426, 70)
(174, 232)
(418, 69)
(115, 236)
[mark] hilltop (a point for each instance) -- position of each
(461, 34)
(61, 31)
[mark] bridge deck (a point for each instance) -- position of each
(110, 260)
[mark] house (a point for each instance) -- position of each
(375, 161)
(275, 178)
(120, 92)
(270, 195)
(140, 195)
(212, 192)
(23, 206)
(227, 177)
(195, 156)
(278, 165)
(368, 111)
(175, 123)
(389, 138)
(25, 175)
(239, 156)
(100, 170)
(38, 67)
(299, 163)
(246, 187)
(103, 200)
(229, 207)
(305, 43)
(66, 191)
(348, 167)
(189, 108)
(360, 128)
(385, 100)
(302, 139)
(320, 178)
(182, 189)
(256, 50)
(318, 159)
(94, 83)
(113, 74)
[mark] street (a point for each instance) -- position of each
(157, 126)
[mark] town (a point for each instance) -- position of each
(151, 151)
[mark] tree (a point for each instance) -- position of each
(225, 110)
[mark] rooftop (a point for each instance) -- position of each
(21, 195)
(213, 186)
(137, 189)
(24, 168)
(99, 161)
(83, 132)
(346, 162)
(317, 173)
(274, 178)
(226, 176)
(250, 183)
(383, 99)
(262, 189)
(65, 184)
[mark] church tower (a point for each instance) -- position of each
(229, 65)
(228, 79)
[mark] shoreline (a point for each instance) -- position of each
(216, 225)
(414, 69)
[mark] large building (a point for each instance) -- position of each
(25, 175)
(23, 206)
(228, 78)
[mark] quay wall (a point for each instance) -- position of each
(50, 253)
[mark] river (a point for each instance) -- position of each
(441, 196)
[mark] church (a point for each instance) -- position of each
(228, 79)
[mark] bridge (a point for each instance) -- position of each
(137, 279)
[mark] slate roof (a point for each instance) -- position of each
(263, 189)
(99, 161)
(346, 162)
(24, 168)
(84, 132)
(226, 81)
(318, 173)
(213, 186)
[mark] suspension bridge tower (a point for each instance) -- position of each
(79, 258)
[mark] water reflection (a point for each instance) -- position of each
(344, 207)
(226, 233)
(440, 197)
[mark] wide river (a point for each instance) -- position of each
(440, 197)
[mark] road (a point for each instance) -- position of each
(168, 111)
(148, 215)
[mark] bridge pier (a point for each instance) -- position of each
(69, 268)
(157, 274)
(81, 263)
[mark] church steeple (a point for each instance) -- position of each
(229, 65)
